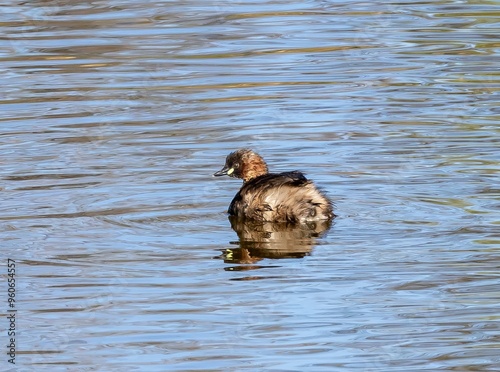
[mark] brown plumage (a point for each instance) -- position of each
(275, 197)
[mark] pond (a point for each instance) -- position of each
(114, 116)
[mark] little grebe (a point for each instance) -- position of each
(275, 197)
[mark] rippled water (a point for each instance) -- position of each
(114, 115)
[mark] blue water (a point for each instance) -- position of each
(115, 115)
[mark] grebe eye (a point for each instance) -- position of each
(237, 165)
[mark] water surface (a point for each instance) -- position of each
(115, 114)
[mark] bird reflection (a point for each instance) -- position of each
(258, 240)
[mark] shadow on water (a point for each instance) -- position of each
(258, 240)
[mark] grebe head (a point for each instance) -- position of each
(245, 164)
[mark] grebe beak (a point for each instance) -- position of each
(224, 172)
